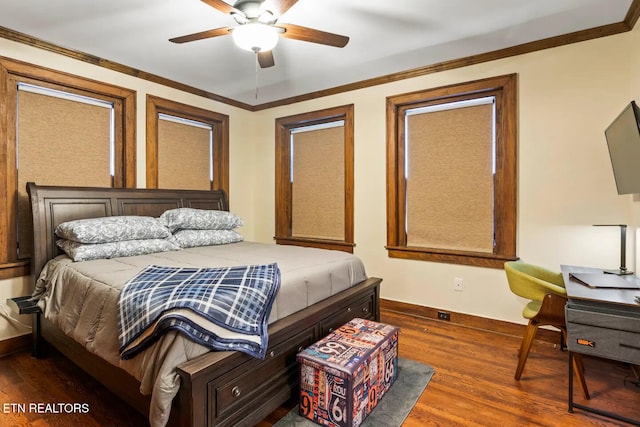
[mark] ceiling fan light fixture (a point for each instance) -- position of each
(255, 37)
(240, 18)
(267, 17)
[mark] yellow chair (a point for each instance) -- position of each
(548, 297)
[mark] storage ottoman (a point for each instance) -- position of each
(345, 374)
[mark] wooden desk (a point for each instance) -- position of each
(603, 323)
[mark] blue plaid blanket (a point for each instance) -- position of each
(223, 308)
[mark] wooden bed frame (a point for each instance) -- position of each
(219, 388)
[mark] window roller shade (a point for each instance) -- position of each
(318, 184)
(184, 156)
(60, 142)
(450, 179)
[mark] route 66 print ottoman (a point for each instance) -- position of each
(345, 374)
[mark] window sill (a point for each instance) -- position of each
(9, 270)
(335, 245)
(477, 259)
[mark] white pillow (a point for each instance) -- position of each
(193, 238)
(85, 252)
(112, 229)
(200, 219)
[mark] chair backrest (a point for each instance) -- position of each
(533, 282)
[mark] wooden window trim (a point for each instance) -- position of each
(283, 185)
(13, 72)
(219, 122)
(505, 90)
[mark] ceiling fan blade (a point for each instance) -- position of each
(311, 35)
(221, 6)
(279, 7)
(202, 35)
(265, 59)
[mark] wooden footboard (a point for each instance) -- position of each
(230, 388)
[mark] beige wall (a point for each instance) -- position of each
(567, 96)
(20, 324)
(241, 135)
(634, 65)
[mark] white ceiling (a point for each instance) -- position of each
(385, 37)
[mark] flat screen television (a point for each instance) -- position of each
(623, 141)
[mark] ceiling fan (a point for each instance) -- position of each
(257, 30)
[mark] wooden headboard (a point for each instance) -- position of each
(51, 205)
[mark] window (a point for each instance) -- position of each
(59, 130)
(185, 153)
(187, 147)
(451, 173)
(314, 179)
(69, 125)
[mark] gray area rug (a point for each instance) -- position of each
(394, 407)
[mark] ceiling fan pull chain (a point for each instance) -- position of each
(257, 69)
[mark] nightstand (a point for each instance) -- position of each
(25, 305)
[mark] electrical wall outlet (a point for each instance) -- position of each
(458, 284)
(443, 315)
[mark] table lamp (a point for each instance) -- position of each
(623, 249)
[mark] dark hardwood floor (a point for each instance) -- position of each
(473, 384)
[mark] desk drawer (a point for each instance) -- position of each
(629, 322)
(630, 347)
(603, 335)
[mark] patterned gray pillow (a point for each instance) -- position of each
(112, 229)
(200, 219)
(85, 252)
(193, 238)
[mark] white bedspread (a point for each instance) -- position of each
(81, 298)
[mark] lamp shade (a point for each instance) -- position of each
(255, 37)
